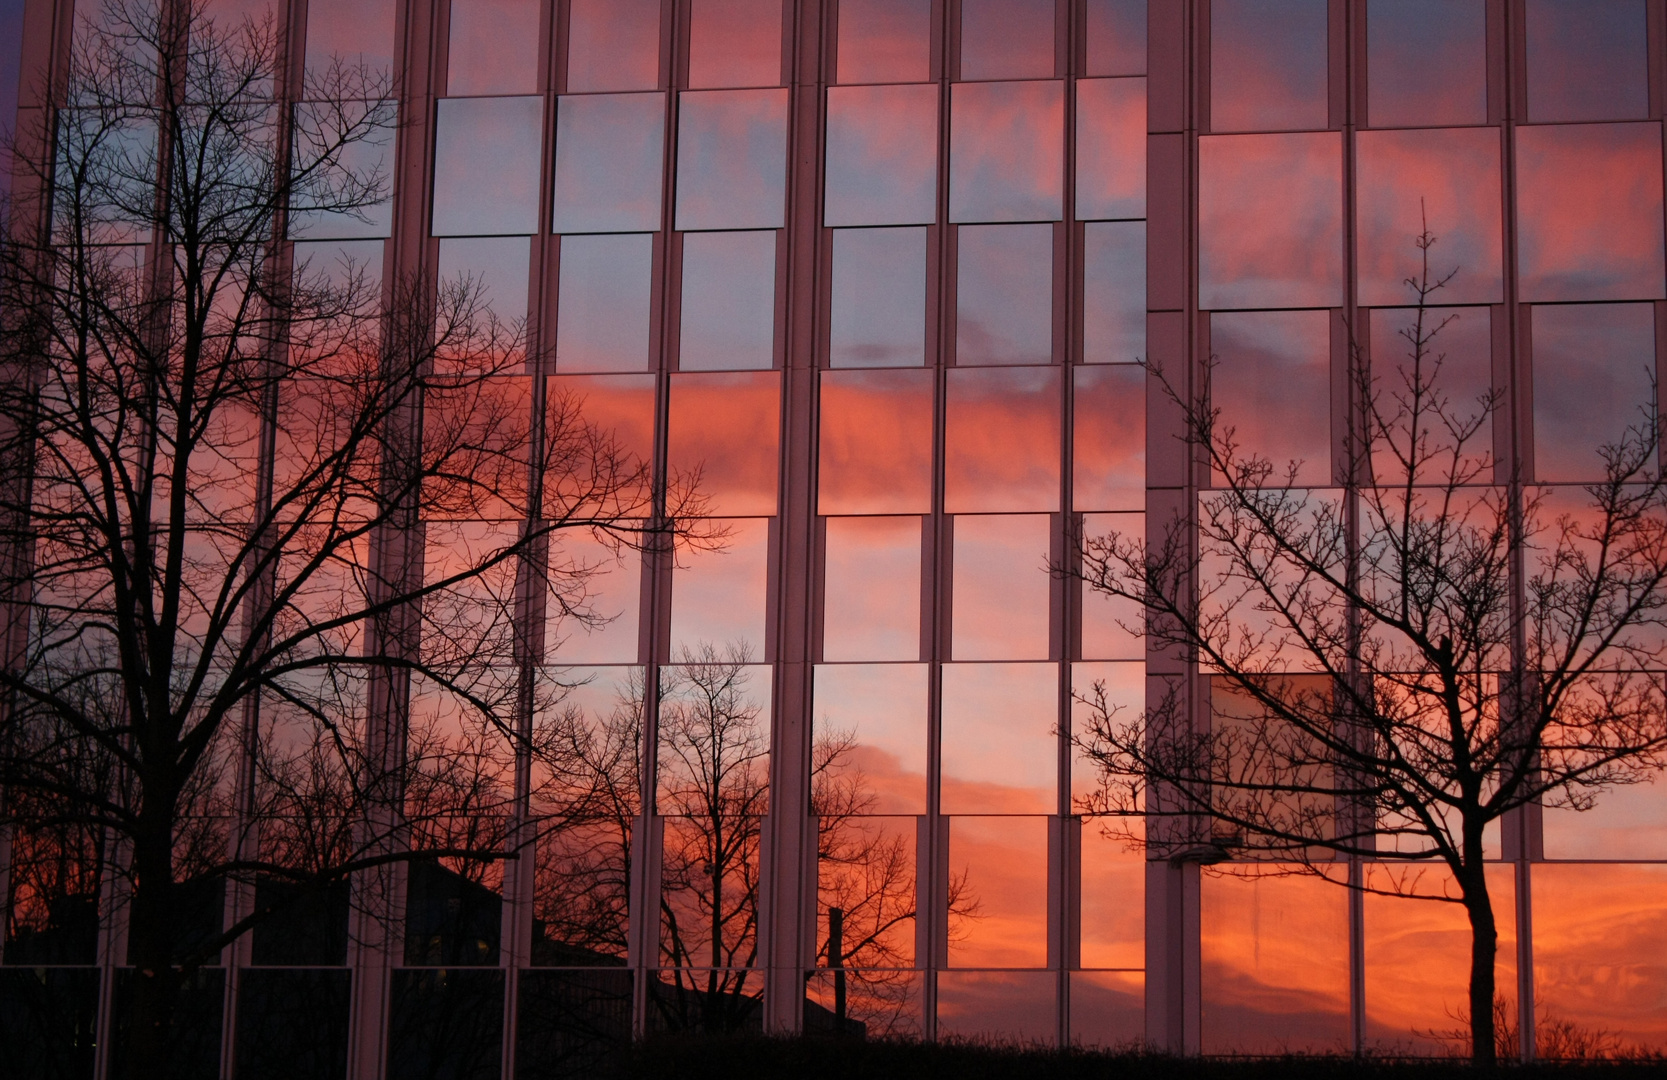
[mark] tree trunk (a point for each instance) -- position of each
(1484, 945)
(156, 979)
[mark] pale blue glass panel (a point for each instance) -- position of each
(365, 165)
(729, 301)
(879, 298)
(1007, 151)
(882, 155)
(1426, 62)
(1268, 65)
(602, 315)
(486, 166)
(1272, 385)
(1587, 60)
(1113, 292)
(608, 153)
(1004, 294)
(732, 159)
(1593, 368)
(497, 267)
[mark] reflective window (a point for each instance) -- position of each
(875, 449)
(1446, 181)
(1111, 148)
(1426, 62)
(718, 597)
(1268, 65)
(1600, 935)
(727, 426)
(732, 159)
(879, 710)
(1458, 365)
(355, 31)
(878, 316)
(443, 1014)
(1113, 292)
(1001, 446)
(885, 41)
(1007, 39)
(1589, 212)
(1004, 294)
(734, 43)
(1627, 822)
(493, 47)
(1594, 368)
(608, 154)
(882, 166)
(729, 301)
(1006, 151)
(1002, 864)
(1272, 386)
(871, 589)
(1124, 686)
(1108, 1008)
(620, 409)
(1000, 593)
(1116, 37)
(1112, 627)
(611, 579)
(1270, 221)
(999, 753)
(1113, 899)
(1016, 1006)
(368, 160)
(865, 871)
(1587, 60)
(496, 267)
(602, 306)
(613, 45)
(470, 200)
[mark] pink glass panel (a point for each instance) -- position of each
(1007, 39)
(1275, 965)
(1108, 431)
(1113, 900)
(1124, 686)
(482, 430)
(1426, 62)
(1458, 364)
(701, 925)
(1268, 65)
(602, 303)
(1272, 385)
(731, 159)
(1001, 449)
(1108, 1009)
(1116, 37)
(875, 453)
(1006, 151)
(486, 166)
(1594, 368)
(1589, 212)
(871, 589)
(1587, 60)
(729, 302)
(1627, 823)
(610, 578)
(728, 427)
(734, 43)
(1270, 221)
(1002, 864)
(1112, 627)
(714, 736)
(866, 869)
(608, 153)
(1111, 148)
(999, 752)
(718, 597)
(357, 31)
(620, 408)
(1113, 292)
(888, 1002)
(1001, 1005)
(882, 165)
(496, 267)
(879, 711)
(885, 41)
(1004, 294)
(879, 298)
(613, 45)
(493, 47)
(1446, 181)
(1001, 587)
(1600, 939)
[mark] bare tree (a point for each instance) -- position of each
(1393, 666)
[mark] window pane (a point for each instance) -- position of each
(1111, 148)
(881, 710)
(1600, 935)
(875, 450)
(1268, 65)
(486, 166)
(1001, 449)
(493, 47)
(729, 301)
(1112, 626)
(602, 310)
(879, 298)
(1627, 823)
(1589, 212)
(871, 589)
(1445, 181)
(608, 153)
(1116, 34)
(885, 41)
(367, 160)
(718, 597)
(1113, 900)
(1270, 210)
(728, 427)
(1113, 292)
(611, 580)
(290, 1022)
(999, 752)
(1458, 365)
(1275, 965)
(1007, 39)
(613, 45)
(1124, 686)
(734, 43)
(1587, 60)
(882, 155)
(618, 407)
(357, 31)
(1001, 587)
(1108, 1009)
(1272, 385)
(732, 159)
(1108, 410)
(497, 266)
(866, 869)
(1593, 369)
(448, 1016)
(1006, 151)
(1017, 1006)
(1426, 62)
(1004, 294)
(1003, 862)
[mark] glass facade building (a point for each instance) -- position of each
(895, 276)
